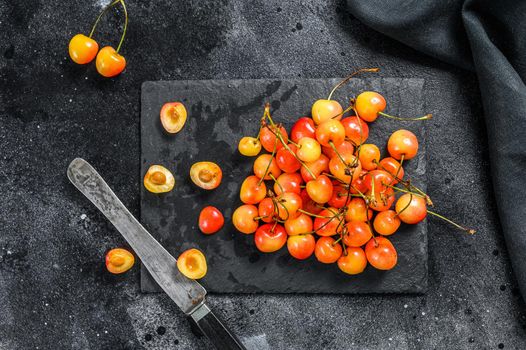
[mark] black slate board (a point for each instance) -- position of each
(220, 113)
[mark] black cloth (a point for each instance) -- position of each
(489, 37)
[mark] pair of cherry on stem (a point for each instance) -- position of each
(83, 49)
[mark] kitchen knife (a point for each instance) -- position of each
(188, 294)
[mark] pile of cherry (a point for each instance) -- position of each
(322, 189)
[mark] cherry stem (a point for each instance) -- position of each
(346, 80)
(276, 181)
(314, 215)
(407, 205)
(403, 190)
(468, 230)
(269, 163)
(101, 14)
(125, 25)
(425, 117)
(260, 217)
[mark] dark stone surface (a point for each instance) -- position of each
(54, 292)
(220, 113)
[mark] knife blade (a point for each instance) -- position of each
(188, 294)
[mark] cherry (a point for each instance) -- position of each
(381, 201)
(345, 171)
(173, 117)
(369, 155)
(411, 209)
(301, 224)
(288, 182)
(378, 179)
(327, 251)
(268, 138)
(119, 260)
(210, 220)
(309, 205)
(245, 219)
(330, 131)
(192, 264)
(356, 130)
(320, 190)
(386, 222)
(109, 62)
(339, 195)
(267, 210)
(354, 262)
(327, 222)
(316, 167)
(381, 253)
(344, 148)
(288, 204)
(286, 160)
(266, 167)
(158, 179)
(309, 150)
(402, 144)
(359, 186)
(323, 110)
(301, 246)
(252, 190)
(369, 104)
(303, 127)
(82, 49)
(270, 238)
(357, 211)
(393, 167)
(206, 175)
(358, 233)
(249, 146)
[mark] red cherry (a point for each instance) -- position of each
(210, 220)
(286, 160)
(270, 238)
(303, 127)
(381, 253)
(356, 130)
(301, 246)
(402, 143)
(411, 209)
(327, 251)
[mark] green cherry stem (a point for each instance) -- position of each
(125, 25)
(346, 80)
(101, 14)
(425, 117)
(468, 230)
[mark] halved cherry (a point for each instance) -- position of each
(252, 190)
(210, 220)
(192, 264)
(119, 260)
(270, 237)
(158, 179)
(301, 246)
(381, 253)
(206, 175)
(354, 262)
(327, 251)
(244, 219)
(173, 117)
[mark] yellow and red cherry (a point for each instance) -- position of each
(345, 171)
(316, 167)
(192, 264)
(82, 49)
(266, 167)
(268, 137)
(301, 246)
(411, 209)
(320, 189)
(354, 262)
(309, 205)
(323, 110)
(303, 127)
(369, 104)
(288, 204)
(344, 148)
(119, 260)
(386, 222)
(379, 180)
(252, 190)
(330, 131)
(393, 167)
(358, 234)
(270, 238)
(327, 223)
(267, 210)
(158, 179)
(173, 117)
(249, 146)
(210, 220)
(302, 224)
(381, 201)
(402, 143)
(339, 195)
(309, 150)
(206, 175)
(359, 186)
(381, 253)
(288, 182)
(369, 156)
(327, 250)
(286, 160)
(356, 130)
(357, 211)
(245, 220)
(109, 62)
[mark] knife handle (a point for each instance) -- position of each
(215, 330)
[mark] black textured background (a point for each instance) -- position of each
(54, 292)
